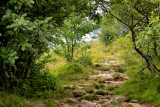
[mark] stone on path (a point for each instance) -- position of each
(79, 93)
(85, 103)
(34, 104)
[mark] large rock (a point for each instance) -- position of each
(85, 103)
(79, 93)
(121, 99)
(134, 101)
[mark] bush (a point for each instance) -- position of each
(85, 60)
(73, 68)
(37, 85)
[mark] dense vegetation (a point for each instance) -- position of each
(42, 48)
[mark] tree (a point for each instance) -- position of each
(26, 30)
(136, 15)
(110, 29)
(71, 35)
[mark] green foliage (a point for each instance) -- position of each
(144, 88)
(85, 57)
(85, 60)
(73, 68)
(7, 100)
(37, 85)
(70, 36)
(110, 29)
(27, 29)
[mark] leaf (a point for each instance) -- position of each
(0, 34)
(23, 47)
(8, 11)
(11, 60)
(28, 45)
(3, 55)
(13, 53)
(16, 57)
(47, 20)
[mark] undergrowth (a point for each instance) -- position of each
(142, 88)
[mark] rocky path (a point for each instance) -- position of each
(97, 91)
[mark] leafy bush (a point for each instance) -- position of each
(73, 68)
(37, 85)
(85, 60)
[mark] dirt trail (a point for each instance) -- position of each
(101, 79)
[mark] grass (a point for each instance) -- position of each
(89, 89)
(104, 68)
(101, 92)
(77, 74)
(90, 97)
(110, 88)
(142, 89)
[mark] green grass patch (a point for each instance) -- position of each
(101, 92)
(142, 89)
(104, 68)
(110, 88)
(90, 97)
(89, 89)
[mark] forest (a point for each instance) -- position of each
(80, 53)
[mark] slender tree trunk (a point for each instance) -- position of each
(72, 51)
(146, 57)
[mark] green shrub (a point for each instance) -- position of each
(85, 60)
(72, 68)
(8, 100)
(37, 85)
